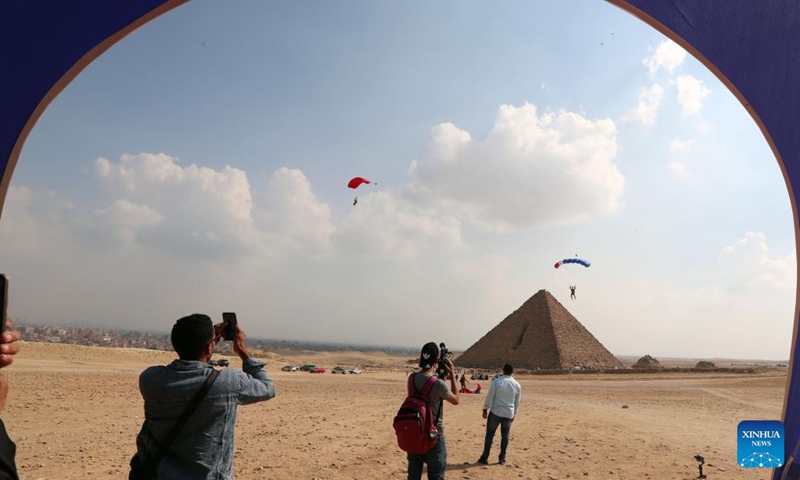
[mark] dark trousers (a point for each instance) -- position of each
(436, 459)
(8, 450)
(491, 427)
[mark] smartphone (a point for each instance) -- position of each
(3, 301)
(229, 320)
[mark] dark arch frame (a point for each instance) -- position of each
(747, 44)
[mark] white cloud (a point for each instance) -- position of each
(753, 244)
(737, 305)
(293, 215)
(32, 223)
(532, 170)
(667, 56)
(681, 147)
(211, 213)
(387, 224)
(750, 256)
(208, 212)
(647, 109)
(677, 168)
(126, 218)
(691, 93)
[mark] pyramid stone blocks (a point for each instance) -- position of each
(541, 334)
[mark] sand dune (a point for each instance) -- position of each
(75, 411)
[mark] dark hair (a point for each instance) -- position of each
(191, 335)
(508, 369)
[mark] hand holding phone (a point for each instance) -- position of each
(229, 326)
(8, 337)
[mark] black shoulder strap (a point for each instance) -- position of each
(439, 413)
(153, 461)
(428, 388)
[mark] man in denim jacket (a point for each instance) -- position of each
(204, 447)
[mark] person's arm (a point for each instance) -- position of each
(256, 386)
(453, 397)
(487, 404)
(8, 449)
(517, 396)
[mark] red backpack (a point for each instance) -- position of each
(416, 431)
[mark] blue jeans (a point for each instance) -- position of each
(491, 427)
(436, 458)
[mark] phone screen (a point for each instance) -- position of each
(229, 318)
(3, 301)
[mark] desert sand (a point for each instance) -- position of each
(74, 413)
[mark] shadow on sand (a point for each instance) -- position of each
(465, 466)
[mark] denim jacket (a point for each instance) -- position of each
(203, 449)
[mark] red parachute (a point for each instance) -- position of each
(357, 182)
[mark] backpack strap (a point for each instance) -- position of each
(426, 390)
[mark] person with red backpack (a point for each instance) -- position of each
(419, 424)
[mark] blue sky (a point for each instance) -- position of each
(201, 164)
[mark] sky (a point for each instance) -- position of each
(201, 165)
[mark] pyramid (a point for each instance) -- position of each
(541, 334)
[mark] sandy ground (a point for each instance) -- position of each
(74, 413)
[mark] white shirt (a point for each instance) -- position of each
(503, 396)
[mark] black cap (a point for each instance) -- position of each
(429, 355)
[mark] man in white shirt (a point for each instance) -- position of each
(500, 407)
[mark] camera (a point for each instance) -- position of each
(700, 461)
(444, 354)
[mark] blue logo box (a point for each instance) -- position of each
(760, 444)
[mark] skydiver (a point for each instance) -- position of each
(355, 201)
(572, 291)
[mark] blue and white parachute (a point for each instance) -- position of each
(579, 261)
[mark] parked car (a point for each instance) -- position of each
(318, 370)
(308, 367)
(289, 368)
(341, 370)
(222, 362)
(355, 371)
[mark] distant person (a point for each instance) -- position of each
(464, 381)
(572, 291)
(500, 408)
(436, 458)
(203, 448)
(8, 449)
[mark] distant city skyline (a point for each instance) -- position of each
(201, 165)
(162, 339)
